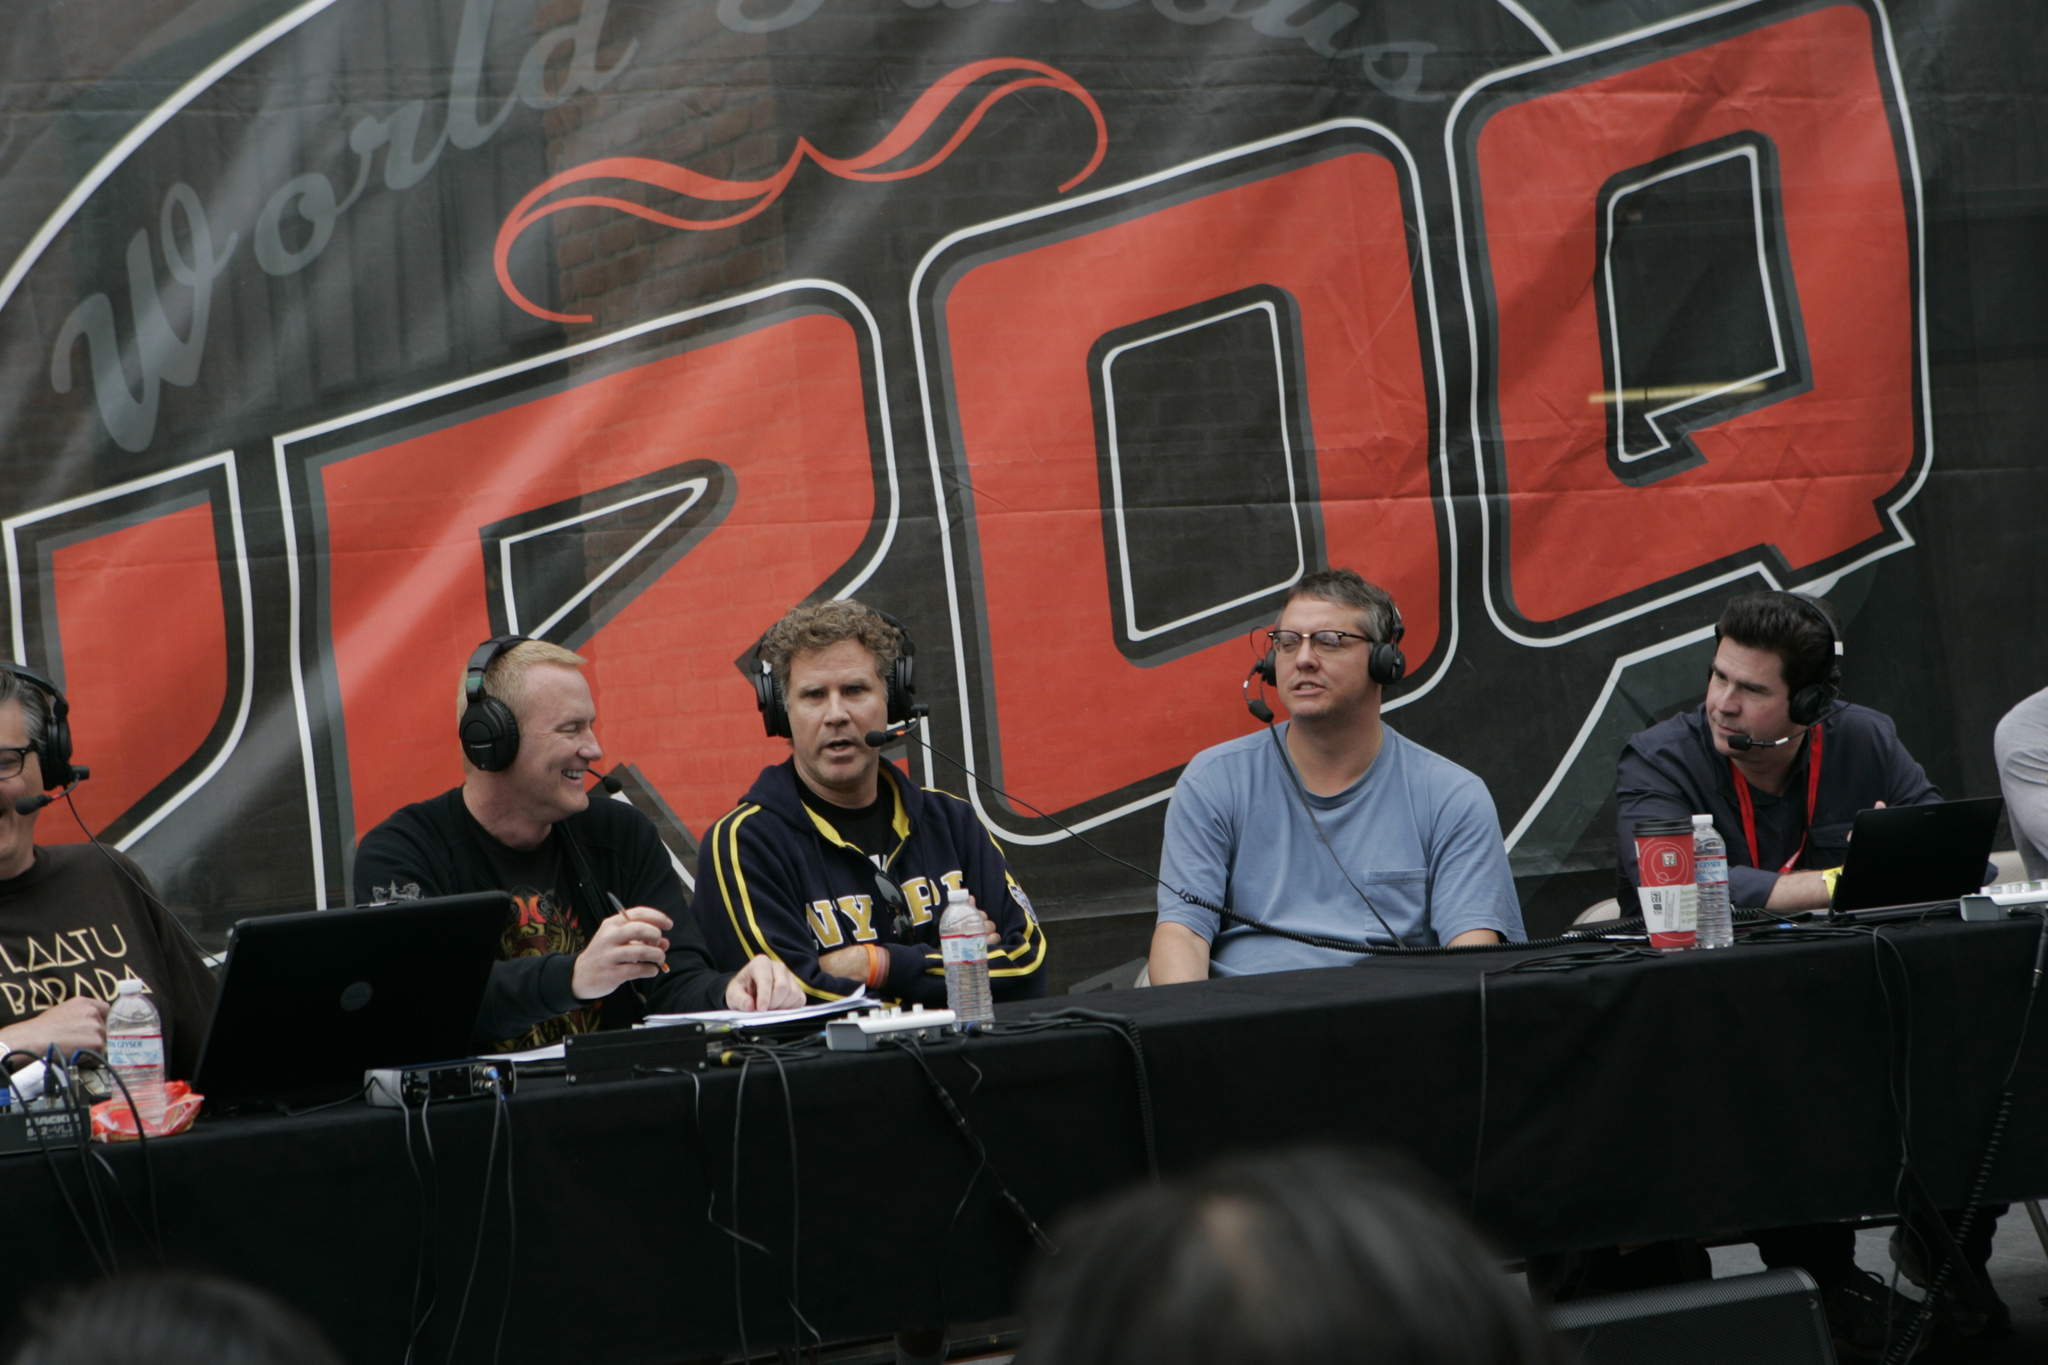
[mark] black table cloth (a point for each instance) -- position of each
(1625, 1101)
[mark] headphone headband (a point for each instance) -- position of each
(1811, 702)
(899, 681)
(1386, 664)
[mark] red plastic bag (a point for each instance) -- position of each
(114, 1121)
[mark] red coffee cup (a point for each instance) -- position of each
(1670, 900)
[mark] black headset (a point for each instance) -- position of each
(901, 683)
(1812, 701)
(1387, 665)
(488, 729)
(53, 750)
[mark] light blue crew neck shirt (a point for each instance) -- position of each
(1418, 835)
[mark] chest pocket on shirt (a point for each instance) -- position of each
(1830, 845)
(1401, 895)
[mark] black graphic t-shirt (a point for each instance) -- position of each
(73, 925)
(543, 922)
(437, 848)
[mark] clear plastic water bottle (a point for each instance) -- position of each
(135, 1049)
(965, 945)
(1710, 875)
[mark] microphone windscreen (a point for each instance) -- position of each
(29, 805)
(611, 784)
(877, 738)
(1259, 708)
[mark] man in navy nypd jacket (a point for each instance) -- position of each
(836, 863)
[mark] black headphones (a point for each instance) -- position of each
(53, 751)
(1386, 665)
(1812, 701)
(901, 683)
(488, 729)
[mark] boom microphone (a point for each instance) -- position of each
(1741, 742)
(877, 738)
(29, 805)
(610, 784)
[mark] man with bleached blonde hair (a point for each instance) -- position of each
(598, 905)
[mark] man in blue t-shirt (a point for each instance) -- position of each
(1414, 848)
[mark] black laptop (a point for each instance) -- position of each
(308, 1002)
(1911, 855)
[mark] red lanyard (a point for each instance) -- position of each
(1749, 808)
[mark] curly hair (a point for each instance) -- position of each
(820, 625)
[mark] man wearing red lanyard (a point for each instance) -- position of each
(1779, 761)
(1783, 765)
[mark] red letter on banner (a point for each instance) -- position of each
(1801, 472)
(781, 407)
(1076, 716)
(144, 631)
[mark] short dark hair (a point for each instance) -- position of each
(171, 1318)
(1345, 587)
(1786, 624)
(1303, 1257)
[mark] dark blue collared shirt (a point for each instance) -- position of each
(1672, 771)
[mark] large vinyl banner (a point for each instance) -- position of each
(338, 335)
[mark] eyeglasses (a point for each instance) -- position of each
(1325, 641)
(13, 760)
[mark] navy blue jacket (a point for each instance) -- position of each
(774, 878)
(1672, 771)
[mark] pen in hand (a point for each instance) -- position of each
(619, 909)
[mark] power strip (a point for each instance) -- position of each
(865, 1032)
(410, 1087)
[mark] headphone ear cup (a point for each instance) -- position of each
(55, 750)
(902, 688)
(1268, 668)
(1810, 703)
(768, 699)
(1387, 665)
(490, 735)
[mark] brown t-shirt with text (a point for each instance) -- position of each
(73, 925)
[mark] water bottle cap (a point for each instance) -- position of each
(955, 896)
(132, 986)
(1703, 822)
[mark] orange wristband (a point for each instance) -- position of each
(878, 967)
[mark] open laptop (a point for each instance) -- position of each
(308, 1002)
(1910, 855)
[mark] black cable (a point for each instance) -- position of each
(739, 1301)
(1300, 790)
(801, 1324)
(82, 1136)
(156, 1227)
(107, 853)
(349, 1098)
(1591, 955)
(1938, 1284)
(429, 1207)
(482, 1217)
(1126, 1028)
(911, 1045)
(1342, 945)
(101, 1258)
(512, 1224)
